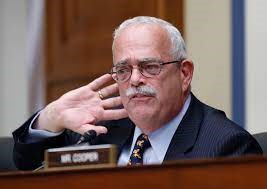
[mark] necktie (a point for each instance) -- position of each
(142, 143)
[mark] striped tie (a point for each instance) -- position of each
(142, 143)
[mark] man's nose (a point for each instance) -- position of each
(136, 78)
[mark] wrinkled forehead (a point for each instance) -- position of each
(138, 31)
(141, 40)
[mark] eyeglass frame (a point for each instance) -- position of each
(152, 75)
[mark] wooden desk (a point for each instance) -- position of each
(237, 173)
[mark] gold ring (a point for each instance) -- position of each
(100, 95)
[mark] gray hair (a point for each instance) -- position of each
(178, 49)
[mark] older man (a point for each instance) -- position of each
(161, 119)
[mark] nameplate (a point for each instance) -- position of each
(95, 155)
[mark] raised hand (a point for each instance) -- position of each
(80, 109)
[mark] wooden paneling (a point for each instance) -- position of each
(79, 36)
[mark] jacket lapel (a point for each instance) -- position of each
(186, 134)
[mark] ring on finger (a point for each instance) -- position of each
(100, 95)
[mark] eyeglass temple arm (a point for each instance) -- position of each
(172, 62)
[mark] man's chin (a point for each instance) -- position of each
(138, 107)
(141, 111)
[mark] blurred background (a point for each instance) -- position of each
(48, 47)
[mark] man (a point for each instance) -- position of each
(153, 77)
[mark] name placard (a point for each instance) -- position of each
(96, 155)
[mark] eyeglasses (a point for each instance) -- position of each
(122, 73)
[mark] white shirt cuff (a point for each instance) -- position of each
(37, 134)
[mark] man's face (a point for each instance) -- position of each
(133, 46)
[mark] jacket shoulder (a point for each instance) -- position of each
(224, 137)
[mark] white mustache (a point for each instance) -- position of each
(143, 90)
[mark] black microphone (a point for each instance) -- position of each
(87, 137)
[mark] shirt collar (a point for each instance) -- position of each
(161, 138)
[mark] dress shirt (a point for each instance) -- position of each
(159, 140)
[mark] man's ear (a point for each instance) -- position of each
(187, 69)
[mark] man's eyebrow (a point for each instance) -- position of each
(144, 60)
(140, 61)
(122, 62)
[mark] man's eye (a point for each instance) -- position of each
(122, 70)
(151, 68)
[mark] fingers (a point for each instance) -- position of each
(114, 114)
(110, 90)
(86, 127)
(99, 82)
(111, 102)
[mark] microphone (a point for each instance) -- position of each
(87, 137)
(81, 153)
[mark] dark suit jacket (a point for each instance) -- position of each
(204, 132)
